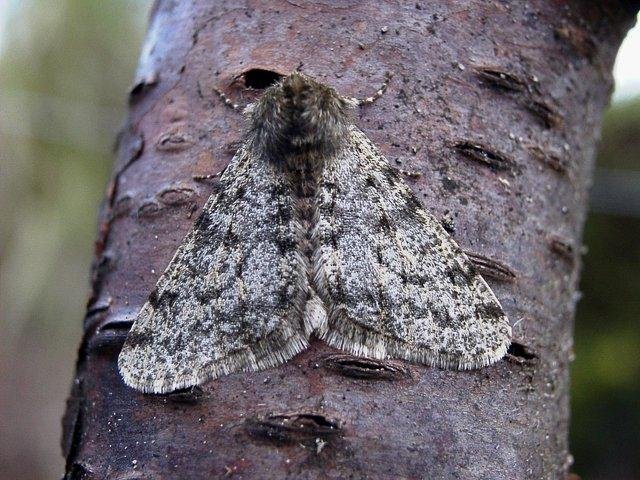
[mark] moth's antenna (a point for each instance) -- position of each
(227, 101)
(369, 100)
(204, 178)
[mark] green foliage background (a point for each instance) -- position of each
(65, 67)
(605, 381)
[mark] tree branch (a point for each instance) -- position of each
(497, 104)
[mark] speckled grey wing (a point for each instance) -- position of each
(231, 297)
(394, 283)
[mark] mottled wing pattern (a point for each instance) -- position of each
(394, 283)
(232, 296)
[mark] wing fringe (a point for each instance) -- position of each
(349, 336)
(269, 352)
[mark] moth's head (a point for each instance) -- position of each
(299, 115)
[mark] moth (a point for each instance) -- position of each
(311, 232)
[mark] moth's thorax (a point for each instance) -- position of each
(299, 117)
(307, 163)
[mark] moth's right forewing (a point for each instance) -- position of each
(396, 285)
(232, 297)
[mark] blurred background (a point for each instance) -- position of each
(65, 67)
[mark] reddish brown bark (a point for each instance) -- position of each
(497, 104)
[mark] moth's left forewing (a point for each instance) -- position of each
(231, 299)
(395, 284)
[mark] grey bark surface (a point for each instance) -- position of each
(497, 104)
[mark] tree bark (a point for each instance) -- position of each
(498, 105)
